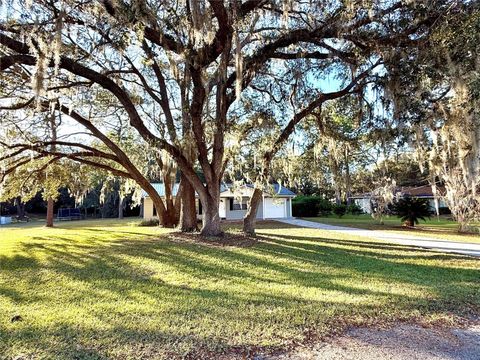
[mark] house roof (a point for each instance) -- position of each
(276, 189)
(420, 191)
(160, 189)
(424, 191)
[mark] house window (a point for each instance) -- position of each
(237, 205)
(154, 211)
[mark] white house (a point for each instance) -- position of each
(422, 192)
(276, 202)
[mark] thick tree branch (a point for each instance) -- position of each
(301, 55)
(41, 145)
(116, 90)
(287, 131)
(164, 102)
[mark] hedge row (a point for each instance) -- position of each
(311, 206)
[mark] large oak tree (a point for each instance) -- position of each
(187, 74)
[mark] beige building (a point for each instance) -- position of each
(276, 202)
(422, 192)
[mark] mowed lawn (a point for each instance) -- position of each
(110, 289)
(441, 228)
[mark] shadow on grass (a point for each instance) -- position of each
(380, 245)
(332, 273)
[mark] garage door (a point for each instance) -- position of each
(274, 208)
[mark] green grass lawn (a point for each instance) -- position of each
(110, 289)
(442, 228)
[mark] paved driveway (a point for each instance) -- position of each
(404, 239)
(401, 342)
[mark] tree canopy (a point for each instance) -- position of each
(189, 77)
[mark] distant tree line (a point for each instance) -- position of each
(91, 205)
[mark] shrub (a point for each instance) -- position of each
(444, 211)
(354, 209)
(339, 210)
(310, 206)
(324, 207)
(411, 210)
(149, 222)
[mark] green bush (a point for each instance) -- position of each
(324, 207)
(310, 206)
(354, 209)
(411, 210)
(444, 211)
(339, 210)
(149, 222)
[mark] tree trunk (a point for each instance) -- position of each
(251, 215)
(169, 220)
(170, 217)
(336, 174)
(20, 208)
(164, 217)
(338, 194)
(188, 213)
(53, 148)
(120, 206)
(348, 182)
(211, 217)
(50, 204)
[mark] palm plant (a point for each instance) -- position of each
(412, 209)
